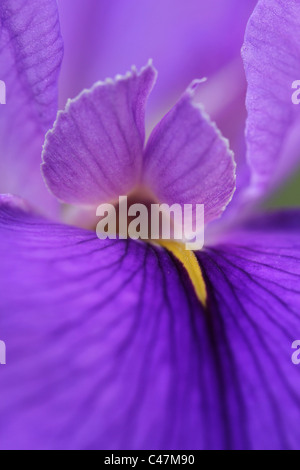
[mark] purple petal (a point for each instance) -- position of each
(205, 37)
(185, 39)
(253, 281)
(187, 161)
(94, 152)
(108, 347)
(31, 51)
(94, 359)
(271, 54)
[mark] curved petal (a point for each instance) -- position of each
(31, 51)
(108, 347)
(187, 161)
(271, 54)
(185, 40)
(94, 152)
(93, 358)
(253, 283)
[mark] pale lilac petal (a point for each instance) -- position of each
(192, 39)
(94, 152)
(185, 39)
(187, 161)
(271, 54)
(30, 56)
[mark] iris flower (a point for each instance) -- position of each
(123, 344)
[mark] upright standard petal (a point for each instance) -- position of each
(185, 39)
(94, 152)
(31, 52)
(271, 54)
(187, 161)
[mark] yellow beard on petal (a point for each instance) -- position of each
(191, 264)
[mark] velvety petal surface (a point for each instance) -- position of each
(101, 341)
(253, 280)
(31, 51)
(94, 152)
(187, 161)
(108, 347)
(271, 54)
